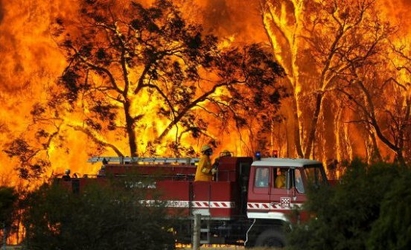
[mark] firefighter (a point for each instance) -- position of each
(66, 175)
(225, 152)
(214, 167)
(280, 180)
(205, 171)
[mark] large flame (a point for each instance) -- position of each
(30, 62)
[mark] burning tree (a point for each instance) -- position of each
(380, 95)
(144, 73)
(322, 45)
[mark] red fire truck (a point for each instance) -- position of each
(244, 204)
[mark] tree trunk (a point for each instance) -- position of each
(130, 125)
(296, 126)
(313, 126)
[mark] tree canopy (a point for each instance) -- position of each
(348, 69)
(142, 80)
(146, 72)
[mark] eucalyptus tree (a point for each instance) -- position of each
(146, 74)
(379, 92)
(318, 43)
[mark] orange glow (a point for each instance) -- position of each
(30, 62)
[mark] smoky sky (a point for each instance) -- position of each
(1, 11)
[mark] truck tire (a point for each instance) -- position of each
(271, 238)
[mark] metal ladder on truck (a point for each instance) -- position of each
(205, 232)
(201, 221)
(201, 229)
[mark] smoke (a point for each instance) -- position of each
(233, 18)
(398, 13)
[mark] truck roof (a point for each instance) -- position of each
(284, 162)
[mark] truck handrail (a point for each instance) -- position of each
(157, 160)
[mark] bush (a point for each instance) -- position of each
(392, 229)
(344, 214)
(100, 217)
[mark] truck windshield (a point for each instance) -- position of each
(315, 175)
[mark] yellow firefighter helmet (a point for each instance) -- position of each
(205, 148)
(225, 152)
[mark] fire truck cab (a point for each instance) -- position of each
(246, 204)
(276, 187)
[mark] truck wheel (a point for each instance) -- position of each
(271, 238)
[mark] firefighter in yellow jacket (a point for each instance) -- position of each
(205, 170)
